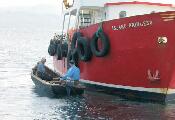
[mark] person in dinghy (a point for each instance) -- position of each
(71, 78)
(41, 72)
(72, 75)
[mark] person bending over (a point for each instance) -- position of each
(71, 77)
(73, 73)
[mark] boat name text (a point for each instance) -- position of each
(132, 25)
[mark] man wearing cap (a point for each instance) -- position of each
(72, 77)
(73, 72)
(41, 72)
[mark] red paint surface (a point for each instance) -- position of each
(138, 3)
(133, 51)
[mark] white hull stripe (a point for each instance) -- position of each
(154, 90)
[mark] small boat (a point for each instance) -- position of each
(54, 86)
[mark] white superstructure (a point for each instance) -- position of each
(86, 12)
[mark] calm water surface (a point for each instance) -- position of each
(20, 49)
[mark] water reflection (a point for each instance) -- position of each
(93, 106)
(43, 92)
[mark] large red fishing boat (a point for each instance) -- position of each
(122, 47)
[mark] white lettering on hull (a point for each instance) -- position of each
(132, 25)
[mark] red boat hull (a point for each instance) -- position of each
(134, 49)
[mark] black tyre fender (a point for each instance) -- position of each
(72, 55)
(64, 48)
(94, 44)
(69, 58)
(83, 48)
(76, 35)
(52, 48)
(59, 52)
(75, 56)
